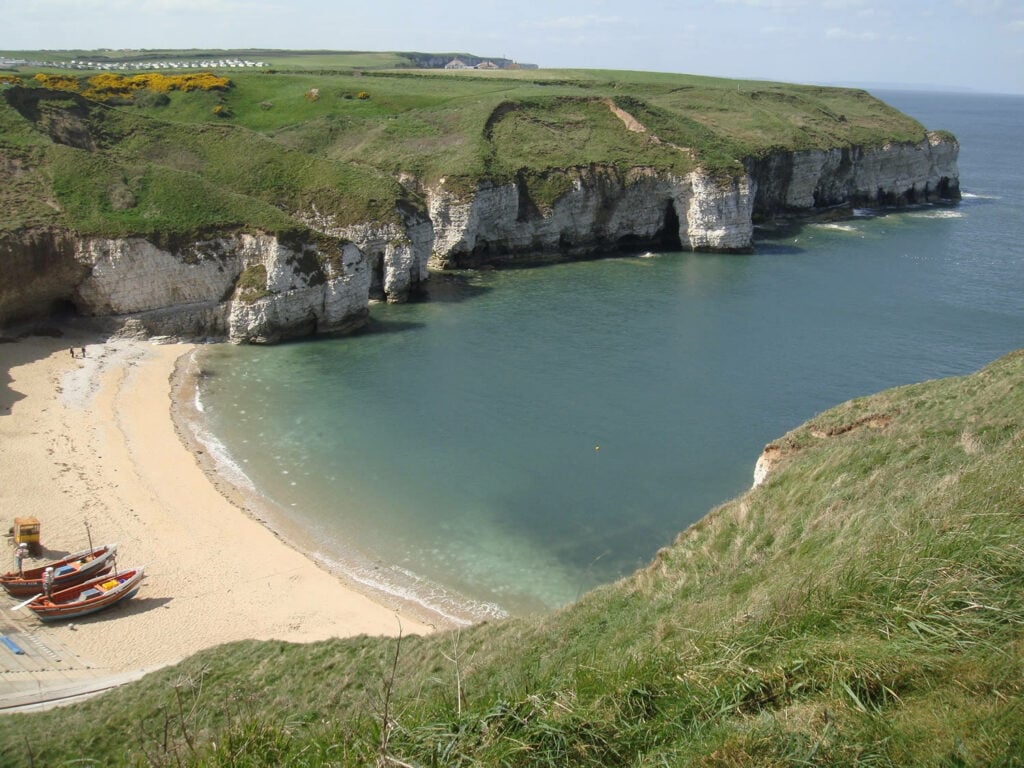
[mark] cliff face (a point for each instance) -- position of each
(257, 288)
(601, 210)
(604, 209)
(894, 174)
(396, 255)
(246, 288)
(40, 273)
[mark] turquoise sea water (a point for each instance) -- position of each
(525, 435)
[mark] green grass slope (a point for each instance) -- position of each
(864, 606)
(279, 143)
(100, 170)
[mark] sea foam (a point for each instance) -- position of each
(409, 587)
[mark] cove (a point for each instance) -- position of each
(523, 436)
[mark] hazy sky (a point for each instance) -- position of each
(977, 44)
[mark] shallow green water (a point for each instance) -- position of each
(525, 435)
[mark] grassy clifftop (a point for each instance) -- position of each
(100, 169)
(864, 606)
(278, 143)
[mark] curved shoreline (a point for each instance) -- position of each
(240, 492)
(92, 440)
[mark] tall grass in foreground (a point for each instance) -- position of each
(865, 606)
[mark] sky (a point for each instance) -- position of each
(948, 44)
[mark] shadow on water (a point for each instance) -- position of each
(452, 287)
(446, 288)
(376, 327)
(440, 289)
(771, 247)
(373, 327)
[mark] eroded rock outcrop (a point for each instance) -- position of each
(603, 209)
(896, 174)
(397, 254)
(247, 288)
(307, 291)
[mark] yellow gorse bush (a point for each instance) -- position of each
(108, 85)
(58, 82)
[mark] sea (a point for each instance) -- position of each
(523, 436)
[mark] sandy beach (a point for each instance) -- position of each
(92, 439)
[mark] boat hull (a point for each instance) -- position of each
(67, 572)
(89, 597)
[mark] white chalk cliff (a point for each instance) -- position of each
(602, 210)
(244, 287)
(257, 288)
(899, 173)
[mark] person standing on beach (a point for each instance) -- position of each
(72, 351)
(19, 555)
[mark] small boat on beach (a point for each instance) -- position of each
(88, 597)
(68, 571)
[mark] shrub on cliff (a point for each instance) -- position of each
(58, 82)
(252, 284)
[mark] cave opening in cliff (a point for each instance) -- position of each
(62, 309)
(668, 235)
(377, 278)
